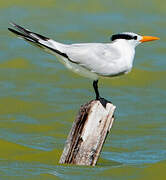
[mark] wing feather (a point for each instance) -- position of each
(93, 56)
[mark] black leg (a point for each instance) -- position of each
(95, 86)
(102, 100)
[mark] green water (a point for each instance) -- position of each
(39, 98)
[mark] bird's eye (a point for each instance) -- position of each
(135, 37)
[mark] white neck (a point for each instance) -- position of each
(127, 52)
(126, 49)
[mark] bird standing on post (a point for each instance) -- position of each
(91, 60)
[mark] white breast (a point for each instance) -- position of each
(99, 59)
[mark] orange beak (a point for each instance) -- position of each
(148, 38)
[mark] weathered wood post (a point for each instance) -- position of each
(88, 133)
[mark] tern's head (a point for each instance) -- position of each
(132, 38)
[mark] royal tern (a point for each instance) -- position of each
(91, 60)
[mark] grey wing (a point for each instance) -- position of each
(92, 56)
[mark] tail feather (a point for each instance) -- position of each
(37, 39)
(22, 35)
(29, 33)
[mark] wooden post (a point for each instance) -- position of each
(88, 133)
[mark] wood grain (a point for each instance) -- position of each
(88, 134)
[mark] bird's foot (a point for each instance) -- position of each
(103, 101)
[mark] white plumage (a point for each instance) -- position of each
(91, 60)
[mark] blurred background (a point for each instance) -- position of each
(39, 98)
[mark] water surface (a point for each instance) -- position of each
(40, 98)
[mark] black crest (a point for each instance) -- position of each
(123, 36)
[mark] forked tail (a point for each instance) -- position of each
(38, 40)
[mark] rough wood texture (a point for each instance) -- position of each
(88, 134)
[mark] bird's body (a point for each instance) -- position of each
(91, 60)
(100, 59)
